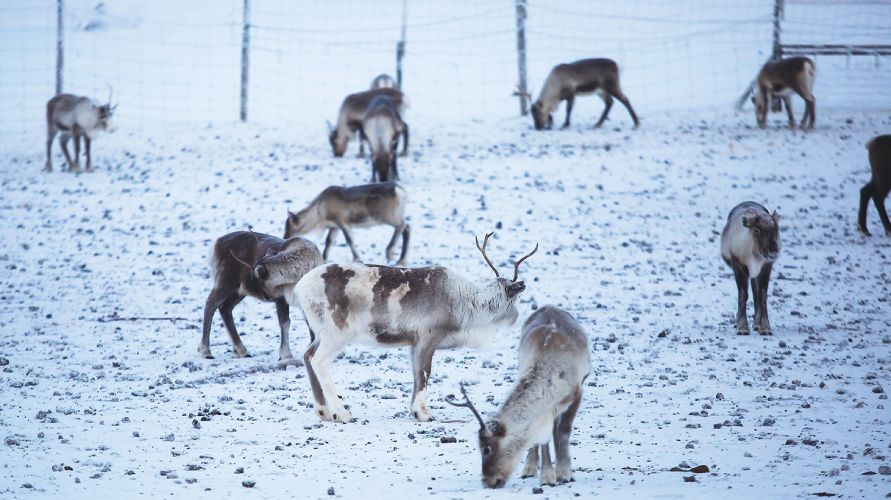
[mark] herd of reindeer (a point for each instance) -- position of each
(431, 308)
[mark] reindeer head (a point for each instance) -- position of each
(382, 163)
(541, 118)
(105, 112)
(510, 288)
(338, 141)
(761, 100)
(500, 453)
(765, 231)
(297, 224)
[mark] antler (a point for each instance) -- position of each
(517, 263)
(110, 92)
(245, 264)
(525, 95)
(466, 404)
(482, 250)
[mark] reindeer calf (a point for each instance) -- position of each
(426, 308)
(341, 208)
(750, 244)
(781, 78)
(381, 127)
(277, 265)
(349, 119)
(554, 360)
(76, 117)
(879, 184)
(566, 81)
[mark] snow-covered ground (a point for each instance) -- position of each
(628, 223)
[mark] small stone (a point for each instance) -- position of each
(239, 470)
(448, 439)
(719, 396)
(4, 361)
(885, 470)
(537, 491)
(768, 422)
(248, 484)
(27, 485)
(331, 491)
(689, 479)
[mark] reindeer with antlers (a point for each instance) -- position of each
(426, 308)
(79, 118)
(554, 360)
(277, 266)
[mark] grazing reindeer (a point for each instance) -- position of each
(750, 244)
(554, 361)
(277, 265)
(566, 81)
(427, 308)
(381, 127)
(340, 208)
(878, 186)
(349, 119)
(383, 81)
(781, 78)
(76, 117)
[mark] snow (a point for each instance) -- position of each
(628, 222)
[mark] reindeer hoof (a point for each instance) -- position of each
(865, 232)
(323, 414)
(547, 479)
(342, 416)
(742, 332)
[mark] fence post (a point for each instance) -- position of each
(60, 53)
(400, 47)
(522, 90)
(777, 52)
(245, 55)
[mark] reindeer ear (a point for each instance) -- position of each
(293, 217)
(776, 216)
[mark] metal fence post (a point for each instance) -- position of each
(522, 90)
(400, 47)
(60, 53)
(245, 55)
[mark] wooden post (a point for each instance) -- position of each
(245, 59)
(400, 47)
(777, 52)
(60, 53)
(522, 90)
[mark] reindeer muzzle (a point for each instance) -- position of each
(515, 289)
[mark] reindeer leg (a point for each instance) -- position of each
(349, 239)
(569, 102)
(405, 238)
(756, 300)
(404, 139)
(531, 467)
(879, 200)
(64, 137)
(214, 300)
(329, 240)
(546, 477)
(360, 133)
(284, 323)
(396, 230)
(321, 408)
(625, 102)
(76, 138)
(608, 105)
(866, 192)
(562, 430)
(226, 314)
(763, 280)
(50, 135)
(87, 147)
(787, 102)
(421, 361)
(329, 347)
(742, 285)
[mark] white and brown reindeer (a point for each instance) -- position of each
(779, 79)
(382, 125)
(566, 81)
(79, 118)
(349, 118)
(245, 263)
(339, 209)
(554, 361)
(750, 244)
(426, 308)
(383, 81)
(879, 184)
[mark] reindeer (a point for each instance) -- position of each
(277, 265)
(76, 117)
(381, 127)
(349, 119)
(383, 81)
(780, 78)
(554, 361)
(750, 244)
(566, 81)
(879, 185)
(426, 308)
(340, 208)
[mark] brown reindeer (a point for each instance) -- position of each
(257, 265)
(780, 78)
(349, 119)
(879, 184)
(587, 76)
